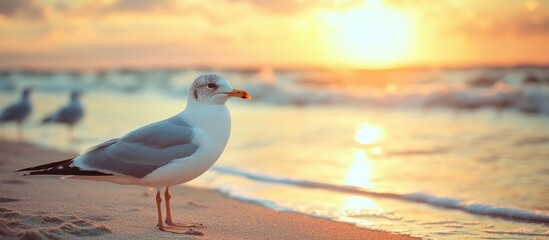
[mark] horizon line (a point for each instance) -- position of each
(259, 67)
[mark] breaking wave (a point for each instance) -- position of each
(520, 89)
(479, 208)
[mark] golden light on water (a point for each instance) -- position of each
(356, 203)
(360, 172)
(372, 34)
(369, 134)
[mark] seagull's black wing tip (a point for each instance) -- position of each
(45, 166)
(25, 169)
(63, 167)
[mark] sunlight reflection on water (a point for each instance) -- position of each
(360, 171)
(369, 134)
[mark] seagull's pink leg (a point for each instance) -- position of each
(161, 226)
(20, 131)
(71, 134)
(169, 220)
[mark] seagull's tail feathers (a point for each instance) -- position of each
(64, 167)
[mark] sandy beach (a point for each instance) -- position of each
(47, 207)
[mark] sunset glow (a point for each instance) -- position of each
(370, 35)
(365, 34)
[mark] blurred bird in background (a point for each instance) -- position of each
(69, 114)
(18, 112)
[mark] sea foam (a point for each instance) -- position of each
(487, 209)
(522, 90)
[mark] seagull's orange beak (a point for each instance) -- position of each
(239, 93)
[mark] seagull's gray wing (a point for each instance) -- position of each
(142, 151)
(16, 112)
(70, 114)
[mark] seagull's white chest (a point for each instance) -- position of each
(212, 126)
(212, 133)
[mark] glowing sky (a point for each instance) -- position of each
(298, 33)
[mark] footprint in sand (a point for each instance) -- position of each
(47, 226)
(14, 181)
(53, 219)
(6, 199)
(7, 213)
(196, 205)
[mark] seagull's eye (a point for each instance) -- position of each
(211, 85)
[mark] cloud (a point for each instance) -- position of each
(25, 9)
(290, 7)
(533, 24)
(479, 18)
(499, 26)
(88, 32)
(141, 5)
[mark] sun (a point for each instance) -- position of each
(371, 35)
(369, 134)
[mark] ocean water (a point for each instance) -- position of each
(440, 154)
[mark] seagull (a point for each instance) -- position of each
(19, 111)
(162, 154)
(70, 114)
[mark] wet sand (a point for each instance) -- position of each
(47, 207)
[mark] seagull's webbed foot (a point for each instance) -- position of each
(169, 220)
(183, 225)
(179, 230)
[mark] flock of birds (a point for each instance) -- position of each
(19, 112)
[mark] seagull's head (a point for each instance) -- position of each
(214, 89)
(26, 92)
(75, 94)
